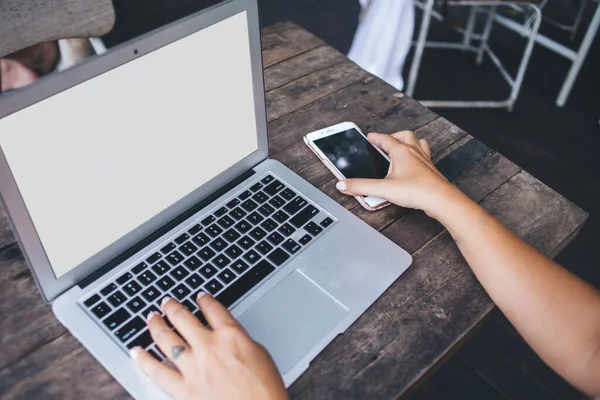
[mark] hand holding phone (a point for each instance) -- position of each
(347, 153)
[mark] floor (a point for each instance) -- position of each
(559, 146)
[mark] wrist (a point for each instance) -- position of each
(447, 202)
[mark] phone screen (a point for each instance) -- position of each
(353, 155)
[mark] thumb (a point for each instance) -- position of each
(363, 187)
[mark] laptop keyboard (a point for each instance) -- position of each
(226, 253)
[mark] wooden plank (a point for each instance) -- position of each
(7, 236)
(286, 40)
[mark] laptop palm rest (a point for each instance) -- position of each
(292, 318)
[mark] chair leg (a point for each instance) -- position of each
(486, 34)
(420, 46)
(470, 26)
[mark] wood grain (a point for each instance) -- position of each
(424, 314)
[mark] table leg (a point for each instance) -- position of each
(468, 33)
(486, 34)
(579, 59)
(422, 38)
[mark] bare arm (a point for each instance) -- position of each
(557, 313)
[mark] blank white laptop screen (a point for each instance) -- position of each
(94, 162)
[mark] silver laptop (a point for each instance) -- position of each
(145, 172)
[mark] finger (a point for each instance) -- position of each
(363, 187)
(167, 378)
(406, 137)
(186, 323)
(384, 142)
(170, 343)
(214, 312)
(424, 145)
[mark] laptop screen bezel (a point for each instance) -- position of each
(22, 225)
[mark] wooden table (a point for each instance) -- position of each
(414, 325)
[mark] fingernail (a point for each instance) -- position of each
(200, 295)
(165, 301)
(151, 315)
(135, 352)
(341, 185)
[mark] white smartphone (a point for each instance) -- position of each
(347, 153)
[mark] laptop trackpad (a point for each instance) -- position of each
(292, 318)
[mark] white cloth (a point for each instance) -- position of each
(383, 38)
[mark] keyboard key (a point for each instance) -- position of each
(214, 230)
(249, 205)
(231, 235)
(286, 229)
(267, 179)
(92, 300)
(256, 187)
(194, 281)
(255, 218)
(304, 216)
(277, 202)
(233, 251)
(144, 340)
(189, 305)
(226, 222)
(238, 213)
(136, 304)
(275, 238)
(245, 283)
(201, 239)
(221, 261)
(213, 286)
(280, 216)
(181, 291)
(220, 212)
(313, 228)
(124, 278)
(264, 247)
(130, 329)
(208, 220)
(208, 271)
(154, 354)
(239, 266)
(182, 238)
(165, 283)
(257, 233)
(246, 242)
(266, 210)
(260, 197)
(326, 222)
(245, 195)
(139, 268)
(101, 309)
(169, 247)
(251, 256)
(116, 299)
(295, 205)
(206, 253)
(226, 276)
(108, 289)
(146, 278)
(278, 256)
(305, 239)
(194, 230)
(269, 225)
(179, 273)
(274, 188)
(175, 258)
(132, 288)
(151, 293)
(218, 244)
(232, 203)
(192, 263)
(188, 249)
(291, 246)
(243, 226)
(161, 267)
(153, 258)
(149, 309)
(116, 319)
(287, 194)
(200, 317)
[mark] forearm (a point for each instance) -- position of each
(557, 313)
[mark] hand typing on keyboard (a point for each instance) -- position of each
(220, 362)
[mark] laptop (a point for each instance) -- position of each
(145, 172)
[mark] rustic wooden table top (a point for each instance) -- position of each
(415, 324)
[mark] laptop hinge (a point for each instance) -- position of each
(88, 280)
